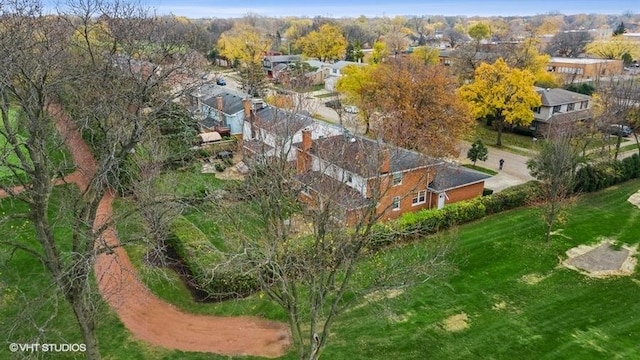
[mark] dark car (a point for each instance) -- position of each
(619, 130)
(221, 82)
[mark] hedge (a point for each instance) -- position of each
(594, 177)
(430, 221)
(210, 269)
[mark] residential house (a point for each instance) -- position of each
(362, 174)
(223, 112)
(335, 71)
(272, 63)
(560, 110)
(584, 69)
(270, 131)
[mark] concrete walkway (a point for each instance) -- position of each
(513, 172)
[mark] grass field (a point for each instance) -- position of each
(518, 302)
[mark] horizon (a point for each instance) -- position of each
(356, 8)
(199, 9)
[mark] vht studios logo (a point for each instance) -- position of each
(36, 347)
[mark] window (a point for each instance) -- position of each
(397, 179)
(395, 205)
(349, 178)
(570, 107)
(584, 104)
(421, 197)
(556, 109)
(536, 110)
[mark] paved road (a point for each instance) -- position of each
(513, 172)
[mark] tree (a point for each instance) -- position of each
(325, 44)
(614, 48)
(246, 45)
(379, 53)
(311, 271)
(358, 86)
(616, 103)
(56, 66)
(555, 167)
(568, 43)
(428, 55)
(455, 35)
(502, 94)
(479, 31)
(620, 29)
(419, 107)
(478, 151)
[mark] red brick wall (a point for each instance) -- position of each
(412, 182)
(459, 194)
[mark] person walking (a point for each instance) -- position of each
(501, 164)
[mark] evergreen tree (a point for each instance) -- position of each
(477, 152)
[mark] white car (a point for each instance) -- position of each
(351, 109)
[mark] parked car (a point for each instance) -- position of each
(619, 130)
(334, 104)
(221, 82)
(351, 109)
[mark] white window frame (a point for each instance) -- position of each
(396, 177)
(422, 194)
(395, 203)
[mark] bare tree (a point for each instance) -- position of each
(317, 220)
(555, 167)
(617, 103)
(568, 43)
(94, 62)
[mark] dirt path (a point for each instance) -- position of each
(147, 317)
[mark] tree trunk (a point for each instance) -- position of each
(617, 151)
(500, 125)
(87, 327)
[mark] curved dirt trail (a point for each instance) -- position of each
(147, 317)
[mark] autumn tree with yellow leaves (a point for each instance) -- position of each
(503, 94)
(246, 45)
(325, 44)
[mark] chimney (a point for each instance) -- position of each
(220, 105)
(385, 161)
(306, 140)
(246, 102)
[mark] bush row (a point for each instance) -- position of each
(210, 269)
(594, 177)
(430, 221)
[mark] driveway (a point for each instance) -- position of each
(514, 170)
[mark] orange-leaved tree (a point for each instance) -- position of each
(419, 107)
(503, 94)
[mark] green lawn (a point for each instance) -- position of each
(563, 316)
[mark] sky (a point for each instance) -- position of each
(355, 8)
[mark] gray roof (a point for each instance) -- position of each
(231, 103)
(450, 176)
(281, 122)
(363, 156)
(553, 97)
(327, 186)
(340, 64)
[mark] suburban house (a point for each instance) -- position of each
(270, 131)
(560, 109)
(273, 63)
(584, 69)
(223, 113)
(335, 71)
(356, 171)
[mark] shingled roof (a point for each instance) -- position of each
(362, 156)
(450, 176)
(231, 103)
(554, 97)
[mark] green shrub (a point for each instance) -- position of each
(430, 221)
(210, 269)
